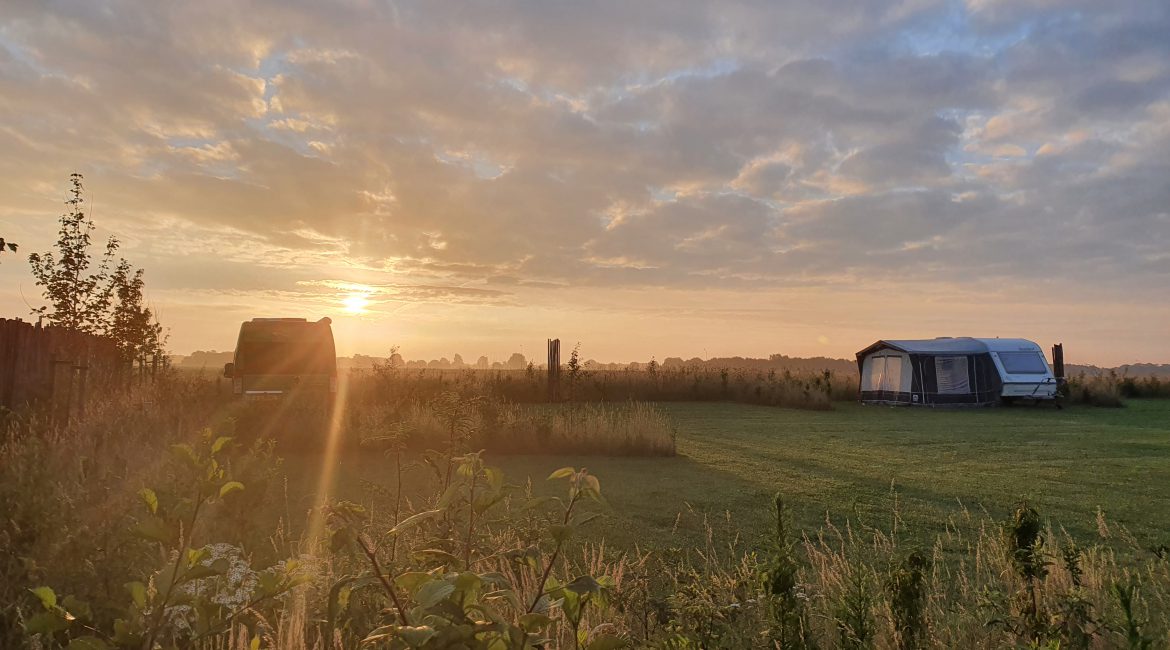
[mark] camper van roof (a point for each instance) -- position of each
(954, 345)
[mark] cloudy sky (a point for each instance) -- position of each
(649, 178)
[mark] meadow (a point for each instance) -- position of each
(864, 463)
(447, 512)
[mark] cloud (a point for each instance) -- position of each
(426, 147)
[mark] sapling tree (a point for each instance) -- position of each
(132, 325)
(78, 298)
(107, 300)
(574, 370)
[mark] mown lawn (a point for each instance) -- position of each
(853, 462)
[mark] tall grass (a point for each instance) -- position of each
(1099, 390)
(784, 388)
(863, 587)
(1110, 389)
(73, 512)
(627, 429)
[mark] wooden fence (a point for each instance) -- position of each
(54, 366)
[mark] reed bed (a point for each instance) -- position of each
(775, 387)
(626, 429)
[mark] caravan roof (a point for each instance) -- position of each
(953, 345)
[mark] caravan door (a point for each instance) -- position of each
(887, 372)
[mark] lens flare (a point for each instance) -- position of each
(330, 459)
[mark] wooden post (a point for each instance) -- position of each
(82, 381)
(1058, 362)
(62, 388)
(554, 370)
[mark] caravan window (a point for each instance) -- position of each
(951, 374)
(1023, 363)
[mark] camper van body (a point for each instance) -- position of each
(280, 357)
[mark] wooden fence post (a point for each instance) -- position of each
(82, 382)
(554, 370)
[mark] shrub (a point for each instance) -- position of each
(1095, 391)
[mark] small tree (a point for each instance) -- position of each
(132, 325)
(78, 299)
(109, 301)
(574, 368)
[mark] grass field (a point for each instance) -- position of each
(850, 462)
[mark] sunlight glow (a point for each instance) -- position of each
(356, 303)
(329, 462)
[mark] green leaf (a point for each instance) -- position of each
(415, 637)
(434, 592)
(127, 634)
(507, 595)
(495, 478)
(449, 495)
(564, 472)
(229, 487)
(585, 519)
(607, 642)
(411, 580)
(137, 593)
(46, 623)
(185, 454)
(561, 532)
(150, 499)
(468, 582)
(584, 585)
(592, 483)
(534, 622)
(194, 555)
(414, 520)
(219, 444)
(46, 595)
(77, 607)
(155, 529)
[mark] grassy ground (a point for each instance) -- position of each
(850, 463)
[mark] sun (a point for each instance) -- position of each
(355, 303)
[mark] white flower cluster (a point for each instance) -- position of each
(232, 589)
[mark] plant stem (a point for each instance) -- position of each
(397, 500)
(552, 560)
(162, 606)
(470, 520)
(373, 557)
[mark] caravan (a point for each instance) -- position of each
(954, 372)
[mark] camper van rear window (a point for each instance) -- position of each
(1023, 363)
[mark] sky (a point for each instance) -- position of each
(648, 178)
